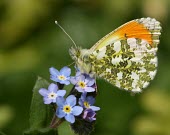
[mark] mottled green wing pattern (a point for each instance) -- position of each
(126, 57)
(129, 64)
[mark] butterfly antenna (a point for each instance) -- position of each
(70, 64)
(66, 33)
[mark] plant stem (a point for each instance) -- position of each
(72, 90)
(57, 123)
(53, 120)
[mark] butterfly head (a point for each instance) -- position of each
(74, 53)
(81, 58)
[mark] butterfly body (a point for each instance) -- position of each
(126, 57)
(81, 58)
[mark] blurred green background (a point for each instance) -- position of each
(30, 43)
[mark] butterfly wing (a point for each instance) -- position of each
(127, 57)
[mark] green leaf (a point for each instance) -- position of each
(44, 131)
(1, 133)
(40, 114)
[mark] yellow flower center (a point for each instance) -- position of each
(86, 104)
(67, 109)
(61, 77)
(52, 95)
(82, 84)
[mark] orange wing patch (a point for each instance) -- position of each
(134, 29)
(143, 28)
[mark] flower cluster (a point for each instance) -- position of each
(79, 102)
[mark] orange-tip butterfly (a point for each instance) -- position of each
(126, 57)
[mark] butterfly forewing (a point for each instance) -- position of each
(127, 57)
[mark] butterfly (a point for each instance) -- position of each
(126, 57)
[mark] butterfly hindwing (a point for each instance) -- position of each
(127, 57)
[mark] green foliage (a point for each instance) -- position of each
(44, 131)
(156, 119)
(40, 114)
(1, 133)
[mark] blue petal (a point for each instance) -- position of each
(90, 81)
(79, 89)
(78, 73)
(81, 77)
(43, 92)
(73, 80)
(81, 102)
(82, 99)
(66, 82)
(61, 93)
(70, 118)
(89, 89)
(95, 108)
(90, 100)
(53, 87)
(60, 101)
(77, 110)
(54, 71)
(47, 100)
(83, 96)
(55, 79)
(65, 71)
(60, 113)
(71, 100)
(53, 100)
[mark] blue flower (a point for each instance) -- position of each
(89, 115)
(83, 82)
(51, 94)
(62, 76)
(67, 109)
(87, 102)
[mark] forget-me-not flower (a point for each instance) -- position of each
(67, 109)
(51, 94)
(62, 76)
(87, 102)
(83, 83)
